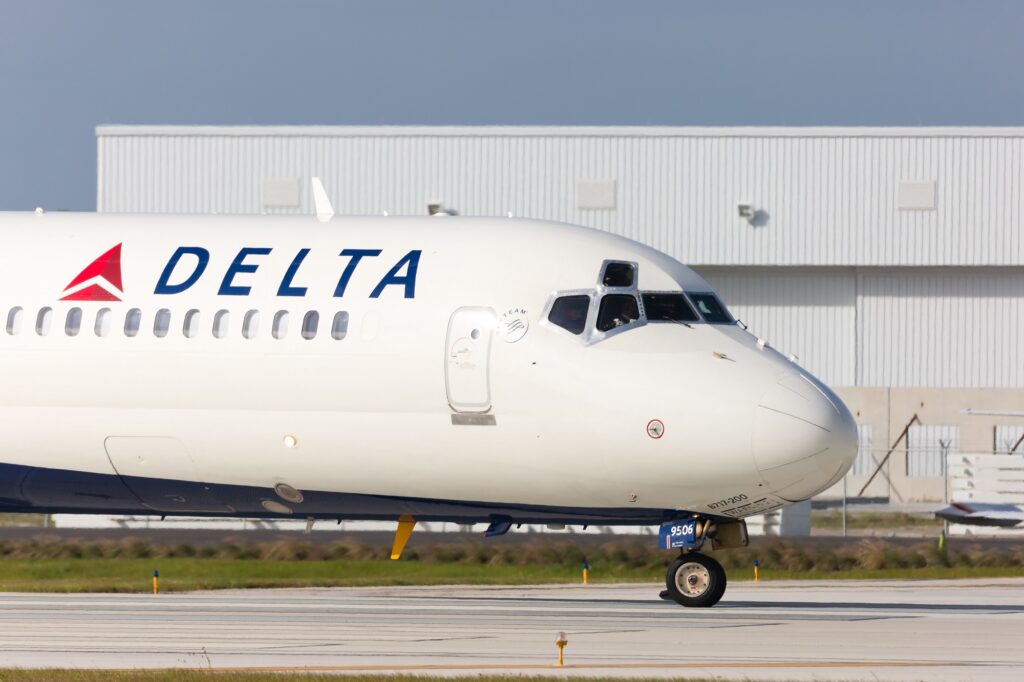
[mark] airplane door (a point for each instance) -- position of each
(468, 359)
(161, 473)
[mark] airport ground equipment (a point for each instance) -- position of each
(984, 490)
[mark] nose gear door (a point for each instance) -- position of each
(468, 359)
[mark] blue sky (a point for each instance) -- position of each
(66, 66)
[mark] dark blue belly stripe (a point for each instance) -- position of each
(60, 491)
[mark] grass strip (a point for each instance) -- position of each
(48, 563)
(176, 575)
(17, 675)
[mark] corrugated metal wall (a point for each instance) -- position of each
(828, 197)
(865, 463)
(928, 446)
(809, 312)
(928, 327)
(959, 327)
(1006, 438)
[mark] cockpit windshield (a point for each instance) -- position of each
(570, 313)
(617, 310)
(668, 308)
(620, 306)
(710, 308)
(619, 275)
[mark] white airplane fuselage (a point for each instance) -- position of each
(451, 395)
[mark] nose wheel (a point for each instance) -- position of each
(695, 579)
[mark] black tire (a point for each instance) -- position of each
(695, 580)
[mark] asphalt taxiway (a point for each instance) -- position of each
(876, 630)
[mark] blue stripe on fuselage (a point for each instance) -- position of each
(26, 489)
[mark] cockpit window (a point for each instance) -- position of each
(570, 313)
(618, 275)
(668, 308)
(710, 308)
(617, 310)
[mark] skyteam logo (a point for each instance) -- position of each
(99, 281)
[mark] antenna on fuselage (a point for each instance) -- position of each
(324, 210)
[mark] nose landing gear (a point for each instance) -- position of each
(695, 579)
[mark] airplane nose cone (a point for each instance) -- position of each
(805, 439)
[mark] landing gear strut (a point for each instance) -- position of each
(695, 579)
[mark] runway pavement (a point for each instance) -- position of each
(878, 630)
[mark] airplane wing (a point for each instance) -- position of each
(982, 514)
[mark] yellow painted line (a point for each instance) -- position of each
(602, 666)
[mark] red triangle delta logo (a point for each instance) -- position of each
(99, 281)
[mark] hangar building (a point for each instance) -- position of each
(889, 260)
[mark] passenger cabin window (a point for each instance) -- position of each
(161, 323)
(339, 328)
(668, 308)
(309, 324)
(617, 310)
(220, 324)
(190, 327)
(251, 324)
(73, 322)
(14, 318)
(280, 327)
(710, 308)
(132, 321)
(570, 313)
(102, 325)
(43, 320)
(618, 275)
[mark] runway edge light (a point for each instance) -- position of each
(560, 643)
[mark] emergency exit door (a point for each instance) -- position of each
(468, 359)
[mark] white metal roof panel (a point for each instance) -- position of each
(121, 130)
